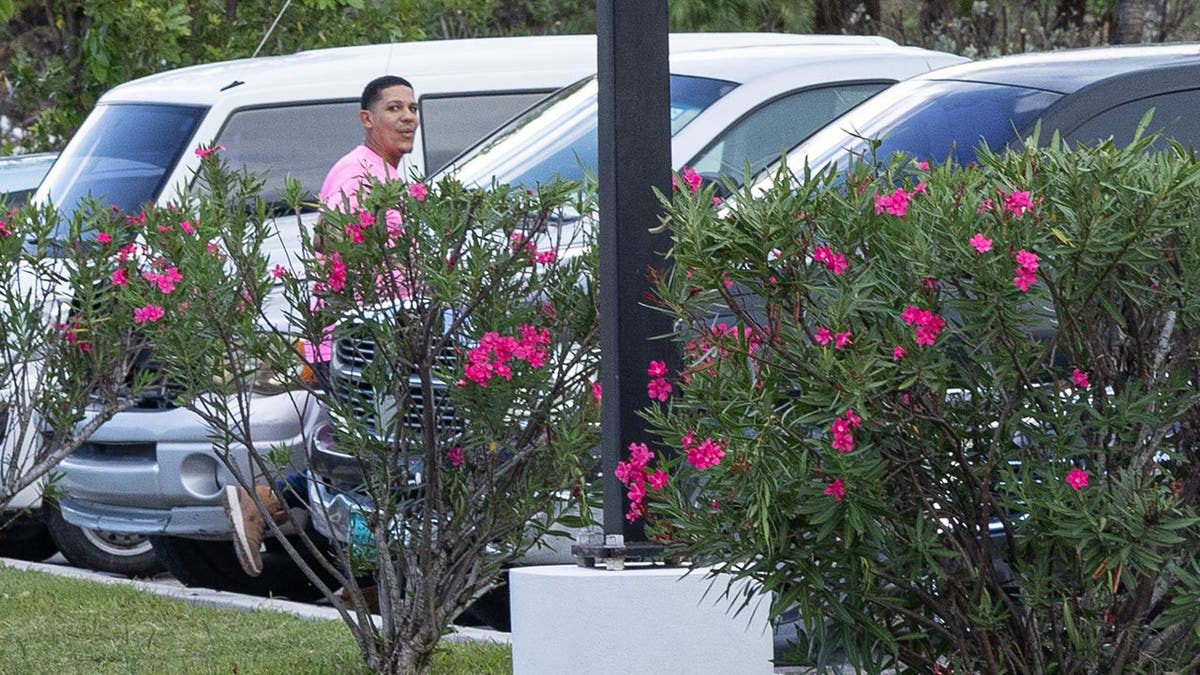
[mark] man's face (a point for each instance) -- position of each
(391, 123)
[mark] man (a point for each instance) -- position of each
(389, 115)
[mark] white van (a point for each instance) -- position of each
(153, 471)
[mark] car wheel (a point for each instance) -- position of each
(102, 550)
(26, 538)
(213, 564)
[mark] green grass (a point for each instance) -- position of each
(49, 624)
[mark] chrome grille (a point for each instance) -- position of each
(354, 354)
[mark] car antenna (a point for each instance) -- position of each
(271, 29)
(231, 85)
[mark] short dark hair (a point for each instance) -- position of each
(374, 89)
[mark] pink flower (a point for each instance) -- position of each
(841, 340)
(852, 418)
(187, 227)
(1027, 261)
(203, 152)
(547, 257)
(1018, 203)
(837, 264)
(717, 201)
(924, 166)
(455, 455)
(337, 273)
(823, 337)
(981, 243)
(658, 479)
(165, 281)
(657, 369)
(985, 205)
(659, 389)
(895, 204)
(836, 489)
(418, 191)
(1077, 478)
(1081, 379)
(279, 271)
(705, 455)
(1024, 279)
(897, 353)
(640, 455)
(104, 237)
(120, 276)
(149, 313)
(597, 391)
(690, 178)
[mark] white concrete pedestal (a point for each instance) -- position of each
(652, 621)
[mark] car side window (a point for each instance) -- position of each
(1174, 115)
(451, 124)
(761, 136)
(302, 140)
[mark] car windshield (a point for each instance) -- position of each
(557, 139)
(121, 156)
(929, 120)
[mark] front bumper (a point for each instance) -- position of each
(157, 471)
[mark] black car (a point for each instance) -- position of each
(1086, 95)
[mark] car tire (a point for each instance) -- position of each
(213, 564)
(26, 538)
(101, 550)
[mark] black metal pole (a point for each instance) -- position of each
(635, 155)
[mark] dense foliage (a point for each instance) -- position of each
(950, 414)
(62, 352)
(464, 346)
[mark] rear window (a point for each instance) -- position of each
(121, 156)
(558, 139)
(932, 120)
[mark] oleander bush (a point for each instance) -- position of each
(949, 414)
(450, 336)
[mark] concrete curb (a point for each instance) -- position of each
(206, 597)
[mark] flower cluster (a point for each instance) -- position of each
(1080, 379)
(705, 454)
(896, 204)
(495, 353)
(636, 475)
(355, 230)
(841, 340)
(1077, 479)
(148, 314)
(418, 191)
(842, 430)
(836, 489)
(1018, 203)
(1026, 272)
(658, 388)
(690, 178)
(834, 262)
(165, 281)
(981, 243)
(455, 456)
(927, 326)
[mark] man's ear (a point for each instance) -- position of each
(364, 116)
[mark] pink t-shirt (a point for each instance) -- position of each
(355, 169)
